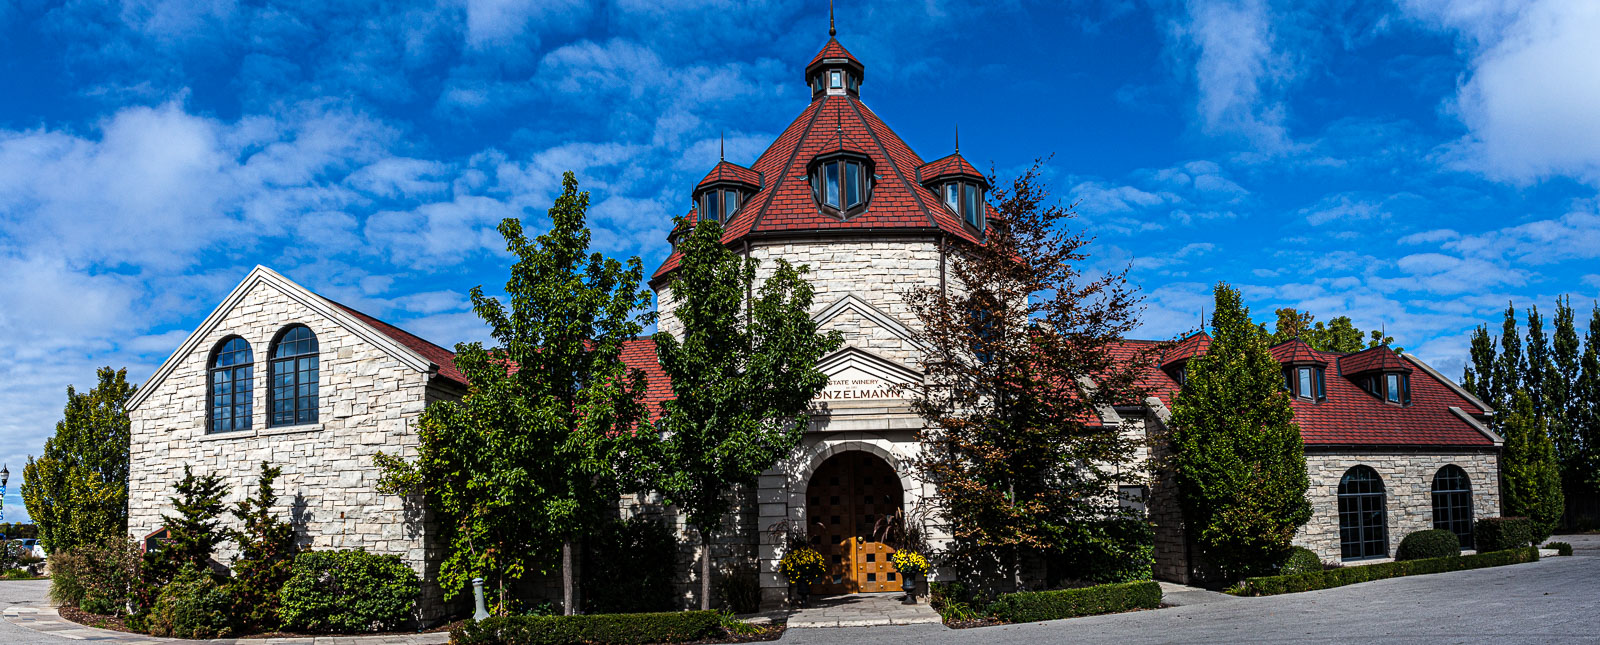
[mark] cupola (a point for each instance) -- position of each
(1175, 361)
(1304, 371)
(959, 185)
(1380, 372)
(834, 70)
(724, 190)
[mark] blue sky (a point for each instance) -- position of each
(1413, 164)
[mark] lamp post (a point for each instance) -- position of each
(5, 475)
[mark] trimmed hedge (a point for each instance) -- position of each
(348, 591)
(1501, 533)
(1034, 606)
(592, 629)
(1300, 560)
(1273, 585)
(1562, 548)
(1432, 543)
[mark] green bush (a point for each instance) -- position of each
(193, 605)
(348, 591)
(1033, 606)
(953, 601)
(1273, 585)
(740, 590)
(1301, 560)
(628, 567)
(1562, 548)
(1432, 543)
(98, 578)
(1116, 550)
(593, 629)
(1501, 533)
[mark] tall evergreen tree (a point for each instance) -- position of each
(267, 550)
(193, 533)
(1561, 398)
(1530, 481)
(1019, 364)
(77, 490)
(548, 433)
(1239, 457)
(743, 376)
(1538, 362)
(1587, 403)
(1508, 372)
(1479, 378)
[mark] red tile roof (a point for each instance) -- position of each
(953, 165)
(1372, 360)
(830, 123)
(1295, 351)
(729, 172)
(832, 51)
(1193, 345)
(444, 358)
(640, 353)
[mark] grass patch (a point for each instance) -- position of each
(1274, 585)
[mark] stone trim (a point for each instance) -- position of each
(852, 302)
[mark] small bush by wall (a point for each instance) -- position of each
(97, 578)
(1432, 543)
(1301, 560)
(193, 605)
(1273, 585)
(1562, 548)
(348, 591)
(592, 629)
(1501, 533)
(1032, 606)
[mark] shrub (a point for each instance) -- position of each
(1104, 551)
(1432, 543)
(1501, 533)
(1032, 606)
(740, 590)
(593, 629)
(628, 567)
(98, 578)
(348, 591)
(1330, 578)
(266, 554)
(1562, 548)
(953, 601)
(193, 605)
(1301, 560)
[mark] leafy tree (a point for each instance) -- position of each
(1511, 367)
(1586, 397)
(742, 379)
(77, 490)
(1378, 339)
(549, 430)
(1018, 368)
(1561, 396)
(1530, 482)
(1238, 455)
(1538, 363)
(1479, 377)
(266, 555)
(193, 533)
(1338, 335)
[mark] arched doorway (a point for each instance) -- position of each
(846, 499)
(1363, 515)
(1452, 503)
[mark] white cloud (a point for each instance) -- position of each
(1343, 208)
(1237, 70)
(502, 22)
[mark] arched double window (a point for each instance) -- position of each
(1452, 503)
(230, 374)
(1363, 516)
(293, 377)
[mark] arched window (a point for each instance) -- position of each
(294, 377)
(231, 374)
(1452, 503)
(1363, 519)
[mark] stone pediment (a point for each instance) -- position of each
(855, 374)
(854, 304)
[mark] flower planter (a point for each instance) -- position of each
(909, 584)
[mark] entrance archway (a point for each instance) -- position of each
(846, 499)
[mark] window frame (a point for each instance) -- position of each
(274, 363)
(970, 206)
(234, 380)
(1368, 509)
(1454, 514)
(843, 168)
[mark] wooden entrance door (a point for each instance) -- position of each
(845, 499)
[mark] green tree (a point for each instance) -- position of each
(266, 555)
(1238, 455)
(1338, 335)
(1538, 363)
(742, 378)
(1479, 376)
(77, 490)
(1020, 366)
(1530, 482)
(549, 432)
(1511, 367)
(192, 534)
(1561, 396)
(1586, 398)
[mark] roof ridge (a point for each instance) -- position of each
(910, 190)
(784, 171)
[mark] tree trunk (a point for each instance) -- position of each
(705, 569)
(568, 604)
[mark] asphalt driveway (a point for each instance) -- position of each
(1554, 600)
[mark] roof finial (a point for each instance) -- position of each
(958, 138)
(831, 31)
(722, 146)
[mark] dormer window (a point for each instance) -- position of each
(842, 185)
(1306, 382)
(720, 203)
(835, 80)
(1392, 387)
(965, 199)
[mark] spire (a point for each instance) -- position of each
(958, 138)
(722, 146)
(831, 31)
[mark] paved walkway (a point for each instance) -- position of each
(863, 610)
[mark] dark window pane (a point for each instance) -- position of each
(832, 171)
(852, 184)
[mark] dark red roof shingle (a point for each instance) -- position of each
(444, 358)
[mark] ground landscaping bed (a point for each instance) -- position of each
(1328, 579)
(119, 624)
(683, 627)
(1036, 606)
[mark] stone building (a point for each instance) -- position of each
(1392, 445)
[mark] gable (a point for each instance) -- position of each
(201, 339)
(856, 374)
(854, 304)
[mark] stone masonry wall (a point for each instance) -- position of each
(368, 401)
(1408, 484)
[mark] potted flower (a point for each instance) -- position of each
(911, 566)
(802, 566)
